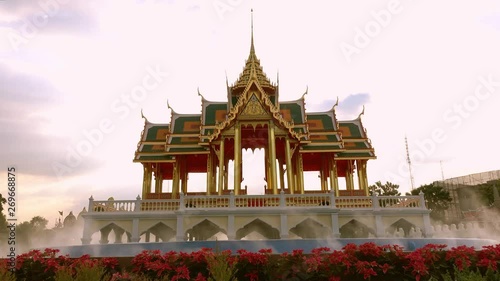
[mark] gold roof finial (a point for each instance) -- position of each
(252, 69)
(252, 49)
(362, 112)
(142, 115)
(305, 93)
(199, 94)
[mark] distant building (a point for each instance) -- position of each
(466, 202)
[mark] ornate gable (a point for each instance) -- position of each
(254, 109)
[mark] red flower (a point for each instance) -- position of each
(461, 256)
(385, 267)
(370, 249)
(200, 277)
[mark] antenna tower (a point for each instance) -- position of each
(408, 160)
(442, 172)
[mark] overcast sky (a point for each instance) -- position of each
(74, 76)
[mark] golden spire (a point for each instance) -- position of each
(252, 49)
(252, 67)
(252, 57)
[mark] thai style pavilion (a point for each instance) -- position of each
(294, 141)
(254, 117)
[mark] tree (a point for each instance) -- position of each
(486, 192)
(387, 189)
(437, 199)
(38, 223)
(3, 218)
(30, 234)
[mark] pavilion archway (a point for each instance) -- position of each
(260, 227)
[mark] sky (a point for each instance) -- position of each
(75, 75)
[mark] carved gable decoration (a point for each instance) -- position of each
(254, 108)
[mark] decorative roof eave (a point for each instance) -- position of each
(193, 145)
(230, 116)
(306, 129)
(143, 138)
(325, 143)
(153, 161)
(152, 142)
(356, 158)
(278, 117)
(320, 150)
(203, 100)
(301, 99)
(323, 133)
(348, 139)
(335, 113)
(242, 99)
(369, 150)
(359, 123)
(173, 153)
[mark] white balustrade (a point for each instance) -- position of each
(113, 206)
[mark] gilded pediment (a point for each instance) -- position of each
(254, 108)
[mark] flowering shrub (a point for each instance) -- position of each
(172, 265)
(38, 265)
(364, 262)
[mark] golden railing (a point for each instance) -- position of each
(319, 200)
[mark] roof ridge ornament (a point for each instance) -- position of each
(362, 112)
(142, 116)
(305, 93)
(335, 105)
(171, 109)
(199, 94)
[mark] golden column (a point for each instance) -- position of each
(295, 174)
(175, 179)
(221, 166)
(213, 183)
(334, 180)
(209, 172)
(300, 173)
(160, 184)
(266, 170)
(272, 157)
(146, 182)
(323, 173)
(289, 169)
(158, 179)
(362, 178)
(226, 171)
(184, 175)
(237, 158)
(349, 176)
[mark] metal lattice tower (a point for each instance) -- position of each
(408, 160)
